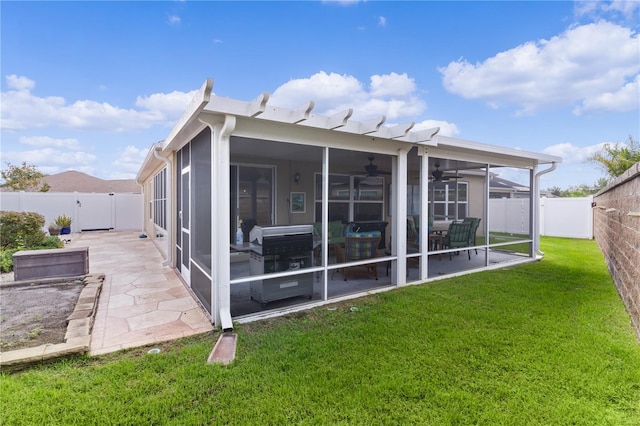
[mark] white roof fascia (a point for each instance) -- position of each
(480, 157)
(495, 150)
(149, 164)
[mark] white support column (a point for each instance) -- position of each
(424, 213)
(325, 221)
(487, 219)
(400, 216)
(220, 219)
(534, 211)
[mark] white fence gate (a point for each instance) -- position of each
(559, 217)
(566, 217)
(88, 211)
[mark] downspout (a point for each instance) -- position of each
(224, 302)
(156, 149)
(536, 227)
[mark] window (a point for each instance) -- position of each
(159, 201)
(252, 196)
(351, 198)
(448, 195)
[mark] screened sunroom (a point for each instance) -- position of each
(264, 210)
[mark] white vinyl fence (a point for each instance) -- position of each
(559, 217)
(566, 217)
(88, 211)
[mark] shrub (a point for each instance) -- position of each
(19, 230)
(50, 242)
(6, 256)
(6, 260)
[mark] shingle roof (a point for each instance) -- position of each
(73, 181)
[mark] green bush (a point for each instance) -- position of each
(6, 256)
(19, 230)
(6, 260)
(50, 242)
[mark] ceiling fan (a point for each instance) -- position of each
(372, 169)
(439, 176)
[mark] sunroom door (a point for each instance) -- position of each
(183, 215)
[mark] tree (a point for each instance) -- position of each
(24, 178)
(581, 190)
(617, 158)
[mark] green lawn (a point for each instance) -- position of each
(547, 343)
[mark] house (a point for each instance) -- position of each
(258, 203)
(504, 188)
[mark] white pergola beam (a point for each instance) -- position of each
(394, 132)
(372, 125)
(339, 119)
(301, 113)
(421, 136)
(258, 105)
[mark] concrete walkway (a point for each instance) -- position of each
(142, 302)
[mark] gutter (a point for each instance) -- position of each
(156, 153)
(536, 242)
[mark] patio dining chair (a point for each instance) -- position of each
(457, 236)
(359, 246)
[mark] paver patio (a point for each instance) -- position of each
(142, 302)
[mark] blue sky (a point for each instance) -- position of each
(90, 86)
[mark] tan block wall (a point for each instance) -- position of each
(617, 230)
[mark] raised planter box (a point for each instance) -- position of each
(35, 264)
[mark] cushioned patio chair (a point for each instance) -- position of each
(359, 246)
(337, 231)
(475, 222)
(457, 236)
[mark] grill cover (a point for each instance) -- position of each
(287, 240)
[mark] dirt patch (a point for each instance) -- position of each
(36, 314)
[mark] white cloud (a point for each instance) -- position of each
(446, 128)
(571, 153)
(48, 157)
(169, 104)
(382, 21)
(130, 160)
(392, 85)
(47, 141)
(391, 95)
(174, 20)
(617, 8)
(16, 82)
(21, 109)
(577, 66)
(625, 99)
